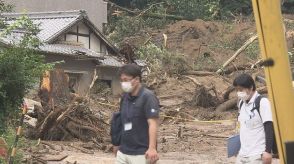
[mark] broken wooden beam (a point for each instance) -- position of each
(237, 53)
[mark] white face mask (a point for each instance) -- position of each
(127, 87)
(243, 96)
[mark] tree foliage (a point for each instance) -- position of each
(195, 9)
(161, 60)
(21, 65)
(122, 24)
(4, 7)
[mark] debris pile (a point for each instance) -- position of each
(64, 116)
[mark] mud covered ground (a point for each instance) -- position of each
(189, 133)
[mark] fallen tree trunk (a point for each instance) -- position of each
(230, 104)
(200, 73)
(232, 69)
(262, 90)
(196, 82)
(227, 93)
(237, 53)
(226, 71)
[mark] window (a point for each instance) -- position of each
(73, 82)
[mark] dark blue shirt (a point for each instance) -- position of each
(136, 110)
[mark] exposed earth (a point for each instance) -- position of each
(190, 132)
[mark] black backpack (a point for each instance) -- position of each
(256, 107)
(116, 129)
(116, 126)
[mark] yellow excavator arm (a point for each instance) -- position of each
(272, 42)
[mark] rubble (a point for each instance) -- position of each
(63, 116)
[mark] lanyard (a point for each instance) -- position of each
(128, 111)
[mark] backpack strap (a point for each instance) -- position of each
(256, 104)
(121, 100)
(240, 104)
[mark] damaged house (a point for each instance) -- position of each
(69, 36)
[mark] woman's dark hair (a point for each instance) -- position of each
(244, 80)
(131, 70)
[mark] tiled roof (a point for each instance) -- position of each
(111, 61)
(51, 23)
(77, 51)
(70, 50)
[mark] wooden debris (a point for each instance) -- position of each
(230, 104)
(49, 144)
(237, 53)
(226, 94)
(53, 157)
(83, 150)
(262, 90)
(233, 68)
(64, 116)
(194, 80)
(200, 73)
(38, 159)
(204, 98)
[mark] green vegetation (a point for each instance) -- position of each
(123, 23)
(252, 51)
(20, 66)
(9, 137)
(205, 61)
(161, 60)
(291, 57)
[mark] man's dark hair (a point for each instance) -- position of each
(244, 80)
(131, 70)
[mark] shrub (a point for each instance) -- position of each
(162, 60)
(20, 66)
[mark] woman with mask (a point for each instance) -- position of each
(256, 126)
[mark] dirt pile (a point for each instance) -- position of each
(204, 44)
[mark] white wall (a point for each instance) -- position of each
(95, 43)
(83, 67)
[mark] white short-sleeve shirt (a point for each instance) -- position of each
(252, 135)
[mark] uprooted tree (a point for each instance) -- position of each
(64, 115)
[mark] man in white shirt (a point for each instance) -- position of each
(256, 126)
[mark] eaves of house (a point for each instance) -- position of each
(54, 25)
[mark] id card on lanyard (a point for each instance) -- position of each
(128, 125)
